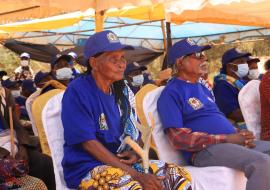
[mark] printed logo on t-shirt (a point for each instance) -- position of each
(102, 122)
(195, 103)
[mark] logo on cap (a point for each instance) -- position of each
(112, 37)
(191, 42)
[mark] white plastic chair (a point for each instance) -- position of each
(250, 104)
(52, 123)
(203, 178)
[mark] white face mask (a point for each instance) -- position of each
(24, 63)
(253, 74)
(64, 73)
(242, 70)
(137, 80)
(15, 93)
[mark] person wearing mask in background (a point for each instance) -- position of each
(228, 84)
(135, 77)
(24, 71)
(265, 103)
(253, 73)
(61, 71)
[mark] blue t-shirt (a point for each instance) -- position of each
(188, 105)
(226, 96)
(87, 114)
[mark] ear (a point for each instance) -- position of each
(178, 63)
(93, 63)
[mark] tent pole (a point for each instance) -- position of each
(169, 44)
(99, 18)
(164, 36)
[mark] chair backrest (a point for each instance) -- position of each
(52, 123)
(249, 101)
(164, 149)
(28, 104)
(37, 108)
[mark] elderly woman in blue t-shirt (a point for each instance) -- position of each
(97, 116)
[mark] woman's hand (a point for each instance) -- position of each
(128, 157)
(148, 181)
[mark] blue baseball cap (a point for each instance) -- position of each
(39, 76)
(230, 55)
(59, 56)
(184, 47)
(104, 41)
(8, 83)
(134, 67)
(28, 85)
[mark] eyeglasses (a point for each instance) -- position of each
(199, 55)
(116, 61)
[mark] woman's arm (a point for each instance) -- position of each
(97, 150)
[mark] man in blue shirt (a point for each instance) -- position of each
(229, 82)
(195, 126)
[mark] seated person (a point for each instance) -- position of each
(195, 126)
(26, 147)
(95, 154)
(265, 103)
(228, 84)
(253, 72)
(135, 76)
(61, 72)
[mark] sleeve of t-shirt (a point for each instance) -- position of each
(226, 98)
(170, 110)
(78, 123)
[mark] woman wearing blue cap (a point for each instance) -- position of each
(97, 116)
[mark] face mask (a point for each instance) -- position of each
(253, 74)
(137, 80)
(16, 93)
(24, 63)
(242, 70)
(64, 73)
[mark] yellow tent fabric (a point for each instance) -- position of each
(248, 13)
(46, 23)
(13, 10)
(243, 13)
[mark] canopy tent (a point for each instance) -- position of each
(240, 12)
(46, 53)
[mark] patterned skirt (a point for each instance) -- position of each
(107, 177)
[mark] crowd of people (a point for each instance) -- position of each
(202, 120)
